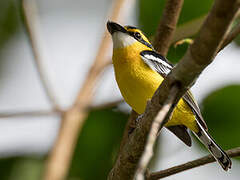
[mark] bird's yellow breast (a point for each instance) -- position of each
(137, 83)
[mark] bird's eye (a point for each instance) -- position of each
(137, 35)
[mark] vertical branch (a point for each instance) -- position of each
(167, 25)
(31, 24)
(59, 159)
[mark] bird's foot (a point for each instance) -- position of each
(133, 127)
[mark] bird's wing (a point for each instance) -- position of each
(161, 65)
(189, 99)
(156, 62)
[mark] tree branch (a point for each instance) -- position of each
(73, 120)
(190, 28)
(167, 25)
(29, 10)
(29, 113)
(189, 165)
(199, 55)
(38, 113)
(230, 37)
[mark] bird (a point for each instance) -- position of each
(139, 70)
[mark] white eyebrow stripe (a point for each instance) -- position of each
(153, 58)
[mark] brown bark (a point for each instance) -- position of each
(189, 165)
(230, 37)
(167, 26)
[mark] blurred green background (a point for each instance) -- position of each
(99, 140)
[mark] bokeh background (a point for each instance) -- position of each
(70, 33)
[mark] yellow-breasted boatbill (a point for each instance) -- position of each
(139, 70)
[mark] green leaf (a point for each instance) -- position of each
(235, 23)
(193, 11)
(8, 20)
(21, 168)
(151, 11)
(222, 115)
(149, 15)
(97, 145)
(175, 54)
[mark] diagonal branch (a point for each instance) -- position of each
(59, 159)
(37, 113)
(191, 28)
(199, 55)
(189, 165)
(31, 24)
(29, 113)
(167, 26)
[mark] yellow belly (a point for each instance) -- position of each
(137, 86)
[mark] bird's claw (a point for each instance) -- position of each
(131, 129)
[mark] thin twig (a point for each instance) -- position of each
(148, 152)
(37, 113)
(189, 165)
(31, 23)
(198, 57)
(73, 120)
(167, 26)
(28, 113)
(190, 28)
(230, 37)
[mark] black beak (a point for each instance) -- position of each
(114, 27)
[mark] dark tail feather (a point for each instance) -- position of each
(214, 149)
